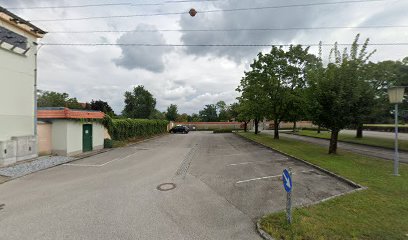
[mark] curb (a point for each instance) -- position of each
(357, 186)
(351, 183)
(261, 232)
(353, 143)
(76, 159)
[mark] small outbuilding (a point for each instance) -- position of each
(70, 132)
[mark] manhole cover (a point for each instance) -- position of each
(166, 187)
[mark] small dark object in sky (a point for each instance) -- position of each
(192, 12)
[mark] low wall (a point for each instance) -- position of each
(211, 125)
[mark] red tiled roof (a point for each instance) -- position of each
(66, 113)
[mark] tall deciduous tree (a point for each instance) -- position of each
(56, 99)
(172, 112)
(209, 113)
(339, 90)
(102, 106)
(139, 103)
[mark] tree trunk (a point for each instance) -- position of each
(245, 126)
(333, 142)
(276, 128)
(359, 133)
(256, 125)
(318, 129)
(294, 126)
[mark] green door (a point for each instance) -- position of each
(87, 137)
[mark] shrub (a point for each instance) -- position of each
(124, 129)
(223, 131)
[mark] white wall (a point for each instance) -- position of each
(67, 136)
(98, 135)
(59, 137)
(16, 89)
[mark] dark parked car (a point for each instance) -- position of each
(179, 129)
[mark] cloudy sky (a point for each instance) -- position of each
(190, 76)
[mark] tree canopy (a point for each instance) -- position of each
(55, 99)
(139, 103)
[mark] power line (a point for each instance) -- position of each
(209, 45)
(231, 29)
(111, 4)
(209, 11)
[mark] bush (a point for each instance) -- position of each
(223, 131)
(107, 143)
(124, 129)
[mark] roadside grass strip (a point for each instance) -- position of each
(370, 141)
(379, 212)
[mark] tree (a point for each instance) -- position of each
(102, 106)
(338, 90)
(223, 114)
(55, 99)
(156, 114)
(209, 113)
(139, 103)
(172, 112)
(182, 118)
(194, 118)
(253, 95)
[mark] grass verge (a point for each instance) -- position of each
(380, 212)
(371, 141)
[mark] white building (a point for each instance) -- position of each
(18, 60)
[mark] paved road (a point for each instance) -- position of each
(356, 148)
(223, 184)
(388, 135)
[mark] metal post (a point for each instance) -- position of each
(289, 202)
(396, 155)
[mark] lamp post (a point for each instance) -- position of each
(396, 95)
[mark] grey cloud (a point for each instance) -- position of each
(148, 58)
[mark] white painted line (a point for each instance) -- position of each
(255, 179)
(256, 162)
(100, 165)
(268, 177)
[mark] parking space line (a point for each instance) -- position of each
(256, 162)
(100, 165)
(268, 177)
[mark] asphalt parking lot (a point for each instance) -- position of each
(219, 185)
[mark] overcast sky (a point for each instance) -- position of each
(190, 77)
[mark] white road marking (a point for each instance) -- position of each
(256, 162)
(268, 177)
(260, 178)
(100, 165)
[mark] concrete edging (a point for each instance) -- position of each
(358, 144)
(357, 186)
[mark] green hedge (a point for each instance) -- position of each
(223, 131)
(124, 129)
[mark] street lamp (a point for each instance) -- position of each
(396, 95)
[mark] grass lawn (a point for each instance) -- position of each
(372, 141)
(386, 125)
(379, 212)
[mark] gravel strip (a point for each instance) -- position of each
(34, 166)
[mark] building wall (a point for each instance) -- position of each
(211, 125)
(16, 89)
(59, 137)
(98, 135)
(44, 138)
(67, 136)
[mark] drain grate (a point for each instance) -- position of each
(164, 187)
(2, 206)
(182, 171)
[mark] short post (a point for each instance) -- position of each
(287, 184)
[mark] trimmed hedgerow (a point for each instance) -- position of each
(124, 129)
